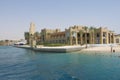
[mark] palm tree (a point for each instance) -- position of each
(81, 34)
(26, 35)
(37, 37)
(86, 28)
(92, 34)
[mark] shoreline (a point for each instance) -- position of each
(76, 48)
(59, 49)
(107, 49)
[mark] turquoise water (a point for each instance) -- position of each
(24, 64)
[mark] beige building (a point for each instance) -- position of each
(117, 39)
(32, 40)
(82, 35)
(74, 35)
(58, 37)
(46, 34)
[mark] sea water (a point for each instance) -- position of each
(25, 64)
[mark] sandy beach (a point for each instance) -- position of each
(101, 49)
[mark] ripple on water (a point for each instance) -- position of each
(22, 64)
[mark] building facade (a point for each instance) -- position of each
(74, 35)
(117, 39)
(82, 35)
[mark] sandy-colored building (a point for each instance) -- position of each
(46, 34)
(82, 35)
(74, 35)
(117, 39)
(30, 36)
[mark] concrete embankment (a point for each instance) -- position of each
(23, 46)
(77, 48)
(61, 49)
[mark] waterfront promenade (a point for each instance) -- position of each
(94, 48)
(101, 49)
(60, 49)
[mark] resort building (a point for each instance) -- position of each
(117, 38)
(82, 35)
(52, 36)
(74, 35)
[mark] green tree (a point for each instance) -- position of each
(37, 37)
(92, 31)
(86, 29)
(81, 36)
(26, 35)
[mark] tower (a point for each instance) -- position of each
(32, 41)
(32, 28)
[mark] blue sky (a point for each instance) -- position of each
(16, 15)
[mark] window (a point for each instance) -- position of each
(98, 35)
(117, 40)
(88, 35)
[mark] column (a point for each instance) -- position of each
(113, 40)
(107, 38)
(110, 38)
(76, 39)
(70, 38)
